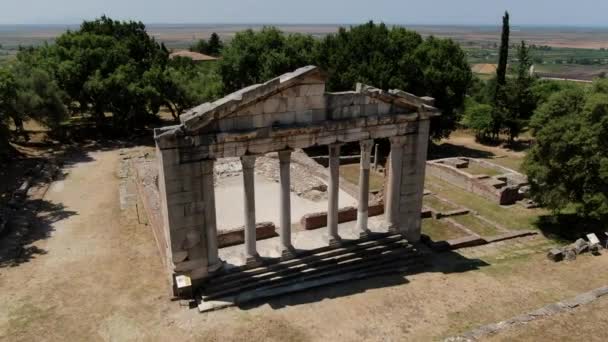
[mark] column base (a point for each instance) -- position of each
(254, 261)
(365, 234)
(335, 241)
(288, 253)
(394, 230)
(219, 265)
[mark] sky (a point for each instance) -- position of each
(461, 12)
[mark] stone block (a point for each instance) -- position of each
(384, 108)
(370, 109)
(226, 124)
(312, 89)
(275, 105)
(315, 102)
(319, 115)
(304, 117)
(284, 119)
(243, 122)
(263, 230)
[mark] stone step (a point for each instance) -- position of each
(305, 257)
(238, 284)
(405, 266)
(303, 261)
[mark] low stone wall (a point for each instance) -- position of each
(263, 230)
(492, 188)
(318, 220)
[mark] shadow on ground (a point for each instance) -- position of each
(32, 220)
(444, 262)
(569, 227)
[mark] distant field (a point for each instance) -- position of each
(561, 52)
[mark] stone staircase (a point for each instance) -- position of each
(378, 255)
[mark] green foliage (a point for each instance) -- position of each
(106, 66)
(255, 57)
(478, 117)
(446, 76)
(399, 58)
(568, 164)
(212, 47)
(520, 98)
(187, 85)
(503, 56)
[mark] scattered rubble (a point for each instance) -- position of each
(570, 251)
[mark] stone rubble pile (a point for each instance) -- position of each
(570, 251)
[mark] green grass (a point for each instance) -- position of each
(437, 204)
(513, 163)
(439, 230)
(476, 169)
(512, 217)
(477, 225)
(350, 172)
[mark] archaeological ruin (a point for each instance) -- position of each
(290, 112)
(491, 181)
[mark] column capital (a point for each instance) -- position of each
(285, 156)
(366, 145)
(248, 161)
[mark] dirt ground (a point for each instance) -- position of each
(97, 277)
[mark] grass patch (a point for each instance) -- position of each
(513, 163)
(477, 225)
(350, 172)
(437, 204)
(439, 230)
(512, 217)
(476, 169)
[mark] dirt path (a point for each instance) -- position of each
(100, 279)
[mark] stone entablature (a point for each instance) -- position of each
(289, 112)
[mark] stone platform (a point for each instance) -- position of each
(378, 254)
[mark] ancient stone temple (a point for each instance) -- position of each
(290, 112)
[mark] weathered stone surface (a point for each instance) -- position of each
(555, 254)
(288, 112)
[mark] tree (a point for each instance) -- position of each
(211, 47)
(105, 67)
(446, 75)
(255, 57)
(503, 54)
(501, 93)
(29, 93)
(568, 165)
(187, 85)
(398, 58)
(519, 95)
(478, 117)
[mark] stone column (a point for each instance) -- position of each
(210, 216)
(251, 253)
(287, 250)
(392, 192)
(334, 188)
(376, 157)
(362, 212)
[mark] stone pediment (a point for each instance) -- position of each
(298, 99)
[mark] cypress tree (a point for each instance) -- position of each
(501, 69)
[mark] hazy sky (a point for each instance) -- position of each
(537, 12)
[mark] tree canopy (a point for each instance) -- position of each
(568, 164)
(106, 66)
(255, 57)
